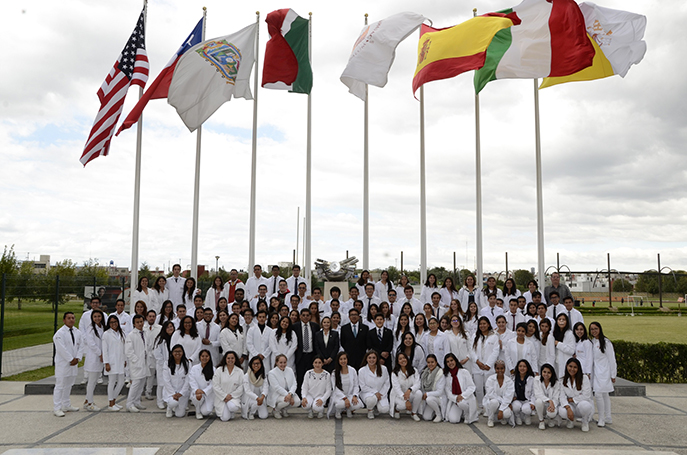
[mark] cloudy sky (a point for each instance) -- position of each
(613, 150)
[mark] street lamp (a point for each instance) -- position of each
(217, 264)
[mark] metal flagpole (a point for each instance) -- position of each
(423, 198)
(541, 262)
(298, 234)
(137, 180)
(254, 162)
(196, 186)
(366, 185)
(478, 189)
(308, 171)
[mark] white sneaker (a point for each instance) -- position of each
(149, 397)
(601, 423)
(113, 408)
(542, 425)
(127, 383)
(370, 415)
(100, 380)
(337, 414)
(199, 415)
(349, 413)
(119, 407)
(528, 420)
(140, 406)
(518, 421)
(277, 414)
(397, 415)
(132, 409)
(161, 406)
(416, 417)
(92, 407)
(504, 421)
(585, 426)
(58, 413)
(70, 409)
(437, 419)
(552, 423)
(570, 424)
(490, 423)
(170, 412)
(320, 414)
(84, 380)
(251, 416)
(285, 412)
(310, 414)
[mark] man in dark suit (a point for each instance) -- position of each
(305, 333)
(381, 340)
(354, 338)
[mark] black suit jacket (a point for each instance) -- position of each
(355, 347)
(298, 328)
(332, 349)
(386, 345)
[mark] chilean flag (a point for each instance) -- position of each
(160, 86)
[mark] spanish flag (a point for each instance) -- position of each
(447, 52)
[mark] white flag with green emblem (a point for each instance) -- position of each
(210, 74)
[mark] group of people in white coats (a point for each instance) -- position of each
(442, 362)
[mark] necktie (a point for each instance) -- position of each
(143, 338)
(274, 285)
(569, 318)
(176, 280)
(437, 313)
(355, 330)
(513, 315)
(554, 312)
(379, 335)
(492, 311)
(369, 302)
(207, 330)
(306, 338)
(71, 332)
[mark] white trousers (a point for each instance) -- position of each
(61, 392)
(229, 411)
(160, 387)
(251, 407)
(415, 400)
(480, 379)
(150, 381)
(492, 407)
(456, 411)
(522, 409)
(432, 408)
(542, 409)
(603, 406)
(135, 392)
(203, 406)
(340, 405)
(178, 406)
(311, 404)
(382, 405)
(584, 410)
(90, 385)
(115, 382)
(281, 404)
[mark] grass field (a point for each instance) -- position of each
(642, 329)
(34, 323)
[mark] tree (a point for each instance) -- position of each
(45, 284)
(144, 271)
(8, 262)
(522, 277)
(622, 285)
(25, 287)
(647, 282)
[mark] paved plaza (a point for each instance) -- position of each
(656, 423)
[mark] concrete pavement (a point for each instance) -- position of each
(26, 359)
(657, 423)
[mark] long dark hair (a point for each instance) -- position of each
(579, 377)
(478, 332)
(602, 338)
(163, 335)
(337, 370)
(467, 316)
(451, 355)
(398, 324)
(451, 288)
(530, 371)
(402, 347)
(139, 288)
(369, 315)
(558, 333)
(289, 330)
(554, 378)
(172, 364)
(425, 326)
(536, 328)
(156, 286)
(238, 323)
(163, 316)
(223, 361)
(94, 325)
(584, 336)
(208, 371)
(544, 339)
(514, 288)
(221, 283)
(361, 281)
(119, 326)
(409, 366)
(193, 333)
(389, 285)
(364, 364)
(189, 291)
(261, 371)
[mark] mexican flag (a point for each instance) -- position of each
(550, 41)
(287, 54)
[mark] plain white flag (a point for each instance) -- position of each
(210, 74)
(374, 51)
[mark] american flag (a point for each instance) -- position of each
(131, 67)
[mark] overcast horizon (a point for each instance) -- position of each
(613, 156)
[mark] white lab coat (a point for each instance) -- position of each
(578, 396)
(192, 346)
(113, 352)
(604, 368)
(158, 298)
(252, 393)
(447, 296)
(252, 284)
(564, 350)
(233, 341)
(225, 383)
(483, 301)
(426, 293)
(214, 338)
(584, 353)
(135, 350)
(464, 297)
(175, 383)
(528, 352)
(504, 338)
(503, 394)
(400, 382)
(370, 383)
(547, 393)
(196, 380)
(353, 389)
(66, 350)
(509, 297)
(467, 388)
(486, 351)
(491, 314)
(547, 353)
(175, 286)
(124, 322)
(283, 346)
(94, 344)
(281, 384)
(211, 297)
(381, 290)
(137, 295)
(258, 342)
(439, 344)
(151, 334)
(316, 386)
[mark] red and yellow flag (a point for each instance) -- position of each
(447, 52)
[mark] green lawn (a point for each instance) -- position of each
(34, 323)
(642, 329)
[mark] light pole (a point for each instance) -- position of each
(217, 265)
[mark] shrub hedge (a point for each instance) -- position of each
(660, 362)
